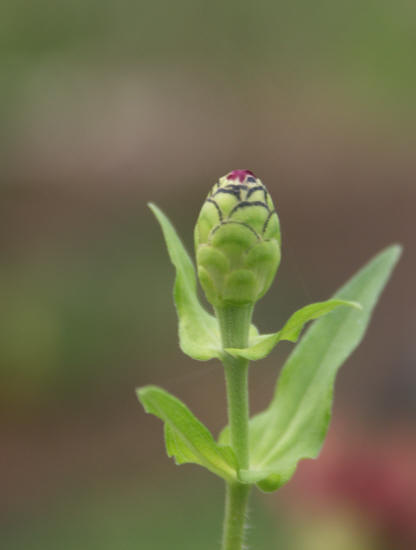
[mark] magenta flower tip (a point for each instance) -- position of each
(241, 175)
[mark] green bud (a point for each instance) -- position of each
(237, 240)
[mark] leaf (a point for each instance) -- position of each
(262, 345)
(199, 335)
(186, 438)
(267, 480)
(295, 424)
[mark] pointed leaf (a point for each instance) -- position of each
(199, 335)
(186, 438)
(295, 423)
(261, 345)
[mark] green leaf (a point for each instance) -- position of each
(199, 335)
(295, 424)
(262, 345)
(186, 438)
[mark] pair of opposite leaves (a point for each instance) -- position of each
(295, 423)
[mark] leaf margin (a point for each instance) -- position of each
(269, 479)
(189, 310)
(263, 344)
(226, 466)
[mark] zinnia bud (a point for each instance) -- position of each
(237, 240)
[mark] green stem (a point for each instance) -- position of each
(236, 378)
(234, 325)
(236, 498)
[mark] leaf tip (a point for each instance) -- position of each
(397, 250)
(157, 212)
(153, 207)
(394, 251)
(139, 392)
(143, 391)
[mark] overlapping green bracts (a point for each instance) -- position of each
(237, 240)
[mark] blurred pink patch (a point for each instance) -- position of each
(377, 479)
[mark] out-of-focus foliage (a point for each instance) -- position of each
(104, 519)
(366, 48)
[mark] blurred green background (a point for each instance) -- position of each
(107, 105)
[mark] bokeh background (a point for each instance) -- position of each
(107, 105)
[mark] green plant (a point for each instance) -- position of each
(237, 242)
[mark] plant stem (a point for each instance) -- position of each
(236, 377)
(234, 325)
(236, 499)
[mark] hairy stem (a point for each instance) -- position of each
(236, 377)
(234, 324)
(236, 498)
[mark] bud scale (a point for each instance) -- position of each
(237, 240)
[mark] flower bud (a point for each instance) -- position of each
(237, 240)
